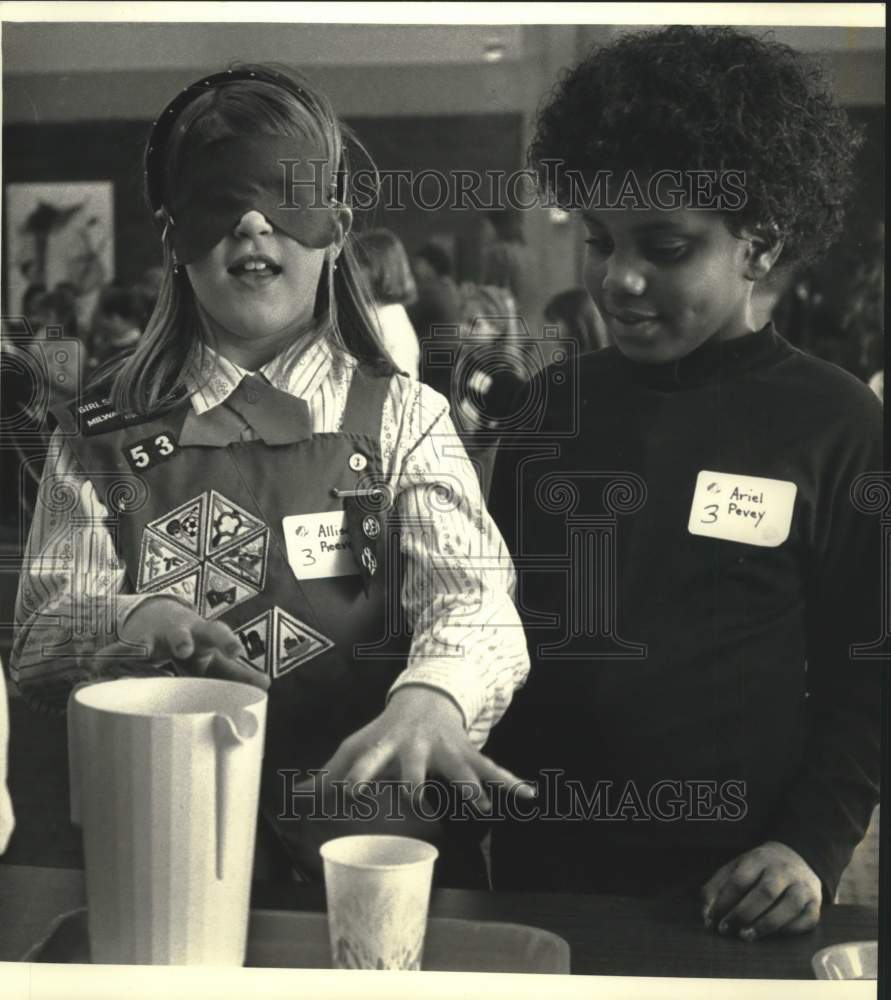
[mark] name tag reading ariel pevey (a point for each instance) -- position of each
(747, 509)
(318, 545)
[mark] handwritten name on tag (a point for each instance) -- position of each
(318, 545)
(748, 509)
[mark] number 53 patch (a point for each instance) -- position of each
(142, 455)
(749, 509)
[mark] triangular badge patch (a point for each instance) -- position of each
(222, 591)
(187, 587)
(246, 559)
(186, 526)
(295, 643)
(158, 561)
(228, 523)
(254, 636)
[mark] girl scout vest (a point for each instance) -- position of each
(287, 538)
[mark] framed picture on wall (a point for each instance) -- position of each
(59, 233)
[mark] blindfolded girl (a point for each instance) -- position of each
(255, 494)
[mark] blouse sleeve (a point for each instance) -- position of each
(468, 641)
(71, 598)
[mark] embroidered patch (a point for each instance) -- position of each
(227, 523)
(295, 643)
(192, 535)
(222, 591)
(254, 637)
(159, 561)
(277, 643)
(95, 415)
(184, 526)
(151, 451)
(187, 587)
(246, 559)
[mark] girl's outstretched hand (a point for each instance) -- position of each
(172, 631)
(420, 734)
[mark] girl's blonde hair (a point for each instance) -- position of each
(173, 344)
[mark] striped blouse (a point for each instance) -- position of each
(467, 637)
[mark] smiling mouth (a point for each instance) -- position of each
(254, 267)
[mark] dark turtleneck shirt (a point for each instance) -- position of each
(709, 690)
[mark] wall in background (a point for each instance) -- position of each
(112, 150)
(105, 81)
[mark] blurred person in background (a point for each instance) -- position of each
(385, 263)
(509, 262)
(438, 304)
(574, 312)
(121, 315)
(55, 311)
(32, 295)
(56, 308)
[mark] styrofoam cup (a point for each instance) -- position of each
(378, 890)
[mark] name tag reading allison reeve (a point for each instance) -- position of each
(748, 509)
(318, 545)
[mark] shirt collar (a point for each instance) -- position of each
(297, 370)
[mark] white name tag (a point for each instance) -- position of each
(746, 509)
(318, 545)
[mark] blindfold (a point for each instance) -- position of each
(288, 179)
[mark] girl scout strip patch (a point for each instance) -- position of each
(748, 509)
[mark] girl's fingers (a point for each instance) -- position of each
(371, 760)
(227, 669)
(465, 779)
(339, 765)
(806, 920)
(413, 766)
(216, 636)
(709, 893)
(781, 915)
(180, 644)
(488, 770)
(745, 874)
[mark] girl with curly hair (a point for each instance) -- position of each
(713, 720)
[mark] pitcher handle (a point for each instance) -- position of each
(228, 735)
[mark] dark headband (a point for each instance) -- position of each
(163, 125)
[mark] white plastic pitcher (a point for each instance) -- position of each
(165, 777)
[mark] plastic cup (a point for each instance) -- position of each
(378, 891)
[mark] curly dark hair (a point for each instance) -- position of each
(688, 98)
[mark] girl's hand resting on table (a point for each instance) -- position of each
(420, 734)
(769, 890)
(172, 631)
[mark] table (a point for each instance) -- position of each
(608, 936)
